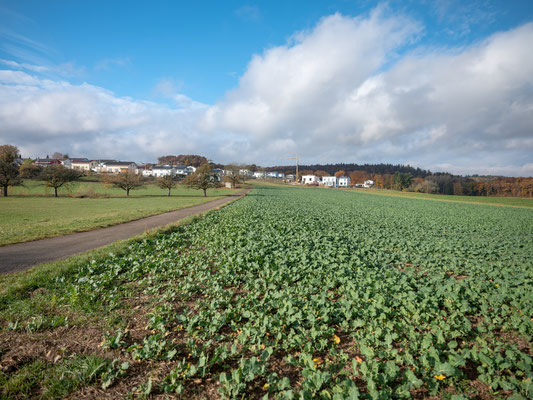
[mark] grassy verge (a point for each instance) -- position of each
(50, 333)
(494, 201)
(26, 217)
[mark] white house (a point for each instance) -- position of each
(190, 169)
(344, 181)
(330, 181)
(66, 162)
(100, 165)
(259, 175)
(83, 165)
(163, 170)
(277, 175)
(310, 180)
(117, 167)
(369, 183)
(245, 172)
(146, 171)
(181, 170)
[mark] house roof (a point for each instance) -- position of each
(119, 163)
(80, 161)
(47, 160)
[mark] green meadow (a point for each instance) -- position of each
(496, 201)
(30, 212)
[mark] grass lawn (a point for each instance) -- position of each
(31, 212)
(497, 201)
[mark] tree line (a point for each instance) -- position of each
(57, 176)
(371, 169)
(438, 183)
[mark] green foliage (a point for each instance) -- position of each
(125, 180)
(315, 293)
(9, 170)
(52, 380)
(203, 178)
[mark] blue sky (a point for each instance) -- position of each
(194, 71)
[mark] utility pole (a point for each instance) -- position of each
(293, 158)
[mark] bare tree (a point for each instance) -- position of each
(167, 182)
(57, 155)
(9, 169)
(125, 181)
(57, 175)
(203, 178)
(233, 175)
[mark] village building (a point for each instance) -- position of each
(344, 181)
(118, 167)
(310, 180)
(330, 181)
(163, 170)
(83, 164)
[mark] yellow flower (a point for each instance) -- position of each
(318, 361)
(336, 339)
(496, 285)
(440, 377)
(266, 386)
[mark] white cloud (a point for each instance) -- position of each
(349, 90)
(41, 116)
(341, 92)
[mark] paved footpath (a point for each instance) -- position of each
(21, 256)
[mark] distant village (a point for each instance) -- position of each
(157, 171)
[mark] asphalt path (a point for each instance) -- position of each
(21, 256)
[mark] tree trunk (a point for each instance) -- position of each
(5, 190)
(127, 192)
(205, 192)
(168, 192)
(55, 192)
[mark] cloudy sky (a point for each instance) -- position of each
(445, 85)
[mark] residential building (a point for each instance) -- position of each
(369, 183)
(276, 175)
(66, 162)
(83, 164)
(259, 175)
(310, 180)
(344, 181)
(117, 167)
(101, 165)
(182, 170)
(163, 170)
(330, 181)
(290, 177)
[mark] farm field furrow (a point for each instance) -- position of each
(291, 293)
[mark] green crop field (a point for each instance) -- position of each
(291, 294)
(31, 212)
